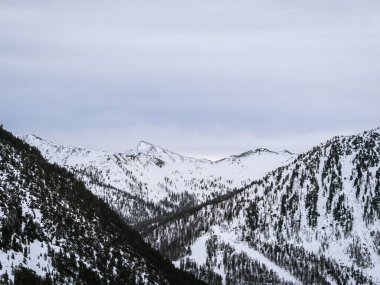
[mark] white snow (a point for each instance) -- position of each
(152, 173)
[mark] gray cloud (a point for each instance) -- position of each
(201, 77)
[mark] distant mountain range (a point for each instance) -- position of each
(148, 181)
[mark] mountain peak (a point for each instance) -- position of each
(152, 150)
(256, 151)
(143, 143)
(263, 150)
(145, 147)
(149, 149)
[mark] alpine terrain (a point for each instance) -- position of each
(261, 217)
(55, 231)
(149, 181)
(313, 221)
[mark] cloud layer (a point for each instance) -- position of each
(200, 77)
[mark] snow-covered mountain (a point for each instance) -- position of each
(148, 180)
(155, 151)
(55, 231)
(313, 221)
(255, 218)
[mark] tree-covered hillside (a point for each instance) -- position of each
(314, 221)
(55, 231)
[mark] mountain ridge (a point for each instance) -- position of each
(151, 174)
(150, 149)
(320, 211)
(55, 231)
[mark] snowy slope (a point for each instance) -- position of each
(55, 231)
(148, 180)
(314, 221)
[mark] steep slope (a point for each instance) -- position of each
(55, 231)
(149, 181)
(314, 221)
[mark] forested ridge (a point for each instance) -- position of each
(55, 231)
(317, 218)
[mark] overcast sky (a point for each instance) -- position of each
(203, 78)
